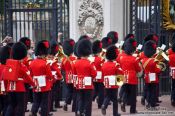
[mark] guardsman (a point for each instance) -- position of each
(18, 76)
(130, 66)
(26, 61)
(172, 73)
(53, 61)
(98, 81)
(151, 70)
(110, 70)
(4, 55)
(106, 42)
(114, 36)
(42, 76)
(86, 72)
(66, 66)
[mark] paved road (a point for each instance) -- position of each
(165, 109)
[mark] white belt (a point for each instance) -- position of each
(111, 79)
(35, 77)
(20, 79)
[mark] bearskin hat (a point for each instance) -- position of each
(75, 49)
(10, 45)
(84, 37)
(4, 54)
(68, 46)
(84, 48)
(19, 51)
(129, 36)
(114, 36)
(130, 46)
(153, 37)
(54, 47)
(149, 48)
(42, 48)
(26, 41)
(112, 52)
(106, 42)
(97, 47)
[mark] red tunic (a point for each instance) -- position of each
(172, 64)
(66, 66)
(110, 70)
(3, 84)
(40, 69)
(151, 67)
(130, 66)
(19, 85)
(98, 61)
(86, 72)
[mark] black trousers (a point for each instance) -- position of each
(151, 94)
(55, 94)
(69, 94)
(41, 99)
(99, 91)
(130, 96)
(74, 104)
(173, 90)
(111, 95)
(3, 104)
(16, 104)
(84, 101)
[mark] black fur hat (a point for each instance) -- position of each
(112, 52)
(130, 46)
(75, 49)
(19, 51)
(114, 36)
(129, 36)
(84, 37)
(106, 42)
(97, 47)
(42, 48)
(68, 46)
(54, 47)
(26, 41)
(153, 37)
(4, 54)
(149, 48)
(84, 48)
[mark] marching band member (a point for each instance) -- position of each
(85, 72)
(151, 70)
(66, 66)
(4, 55)
(114, 36)
(130, 66)
(16, 86)
(42, 76)
(106, 42)
(110, 69)
(172, 73)
(98, 81)
(53, 61)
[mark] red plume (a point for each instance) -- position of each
(100, 45)
(56, 48)
(116, 35)
(27, 42)
(109, 40)
(72, 43)
(46, 44)
(154, 46)
(134, 44)
(155, 38)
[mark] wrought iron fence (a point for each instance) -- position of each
(37, 19)
(146, 18)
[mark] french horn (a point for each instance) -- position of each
(120, 80)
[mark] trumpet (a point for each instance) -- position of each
(160, 58)
(120, 80)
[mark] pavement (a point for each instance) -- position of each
(165, 109)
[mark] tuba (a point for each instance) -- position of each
(160, 58)
(120, 79)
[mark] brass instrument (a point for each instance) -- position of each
(102, 54)
(160, 58)
(120, 80)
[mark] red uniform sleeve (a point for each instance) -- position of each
(48, 72)
(93, 71)
(119, 71)
(58, 72)
(137, 66)
(156, 69)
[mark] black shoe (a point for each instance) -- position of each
(148, 106)
(142, 101)
(50, 114)
(173, 103)
(32, 114)
(27, 110)
(65, 107)
(123, 107)
(159, 101)
(118, 115)
(133, 112)
(103, 110)
(154, 105)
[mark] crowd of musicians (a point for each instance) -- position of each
(90, 69)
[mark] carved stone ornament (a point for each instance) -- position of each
(90, 18)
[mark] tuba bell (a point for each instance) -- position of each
(120, 79)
